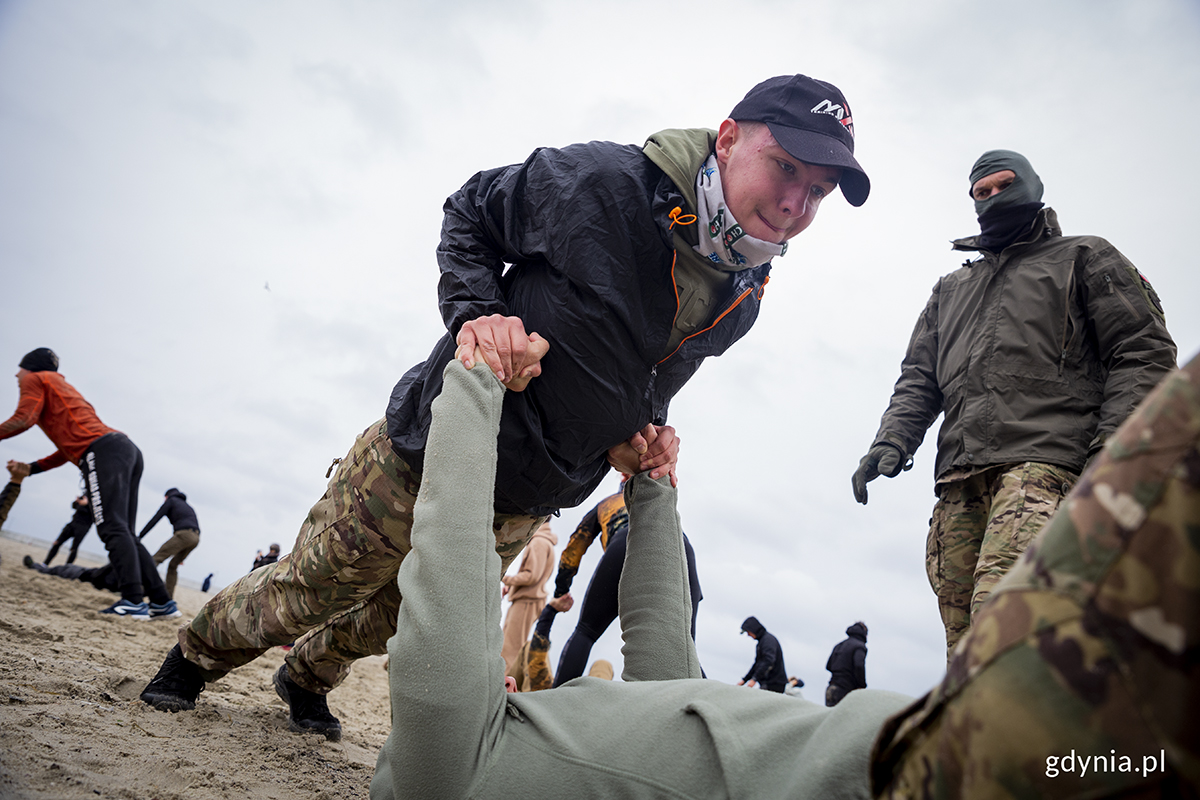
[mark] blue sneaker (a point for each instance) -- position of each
(167, 610)
(124, 608)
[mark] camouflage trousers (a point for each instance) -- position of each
(1089, 648)
(335, 594)
(980, 525)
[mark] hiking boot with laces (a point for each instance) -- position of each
(176, 686)
(308, 711)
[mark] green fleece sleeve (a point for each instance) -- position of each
(446, 675)
(653, 598)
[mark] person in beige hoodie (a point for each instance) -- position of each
(527, 591)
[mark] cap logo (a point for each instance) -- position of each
(838, 111)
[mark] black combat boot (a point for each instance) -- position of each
(176, 686)
(308, 711)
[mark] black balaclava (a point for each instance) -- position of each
(41, 360)
(1005, 216)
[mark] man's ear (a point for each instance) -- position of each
(727, 135)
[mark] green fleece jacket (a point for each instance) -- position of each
(663, 732)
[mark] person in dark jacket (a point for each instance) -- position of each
(270, 558)
(183, 541)
(1035, 351)
(103, 578)
(847, 665)
(767, 670)
(112, 468)
(612, 271)
(75, 530)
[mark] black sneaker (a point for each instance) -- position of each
(176, 686)
(29, 562)
(308, 711)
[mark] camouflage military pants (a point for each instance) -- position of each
(1081, 678)
(980, 526)
(335, 594)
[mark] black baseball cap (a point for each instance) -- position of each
(811, 120)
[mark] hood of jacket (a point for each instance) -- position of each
(857, 631)
(544, 532)
(680, 153)
(752, 625)
(176, 493)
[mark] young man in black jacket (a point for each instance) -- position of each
(183, 541)
(767, 670)
(634, 264)
(847, 665)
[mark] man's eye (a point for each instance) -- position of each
(786, 167)
(819, 191)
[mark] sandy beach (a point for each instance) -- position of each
(72, 726)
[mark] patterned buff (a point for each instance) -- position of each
(723, 230)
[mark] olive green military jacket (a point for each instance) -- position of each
(1037, 353)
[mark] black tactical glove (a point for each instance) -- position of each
(884, 458)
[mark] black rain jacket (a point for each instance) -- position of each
(578, 243)
(847, 663)
(767, 669)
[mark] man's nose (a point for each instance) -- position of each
(795, 203)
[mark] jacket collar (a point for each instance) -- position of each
(1045, 226)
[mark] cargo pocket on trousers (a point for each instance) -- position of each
(933, 549)
(339, 555)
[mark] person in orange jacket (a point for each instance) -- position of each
(111, 466)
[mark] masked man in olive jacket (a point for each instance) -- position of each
(635, 264)
(1035, 351)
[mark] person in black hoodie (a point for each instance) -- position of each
(187, 534)
(768, 670)
(847, 665)
(75, 530)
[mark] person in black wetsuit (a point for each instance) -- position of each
(609, 522)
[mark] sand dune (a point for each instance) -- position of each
(72, 726)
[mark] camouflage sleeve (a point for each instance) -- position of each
(1088, 648)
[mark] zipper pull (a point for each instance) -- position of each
(1108, 282)
(654, 371)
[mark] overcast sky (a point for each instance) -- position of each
(163, 164)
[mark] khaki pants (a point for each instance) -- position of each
(182, 542)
